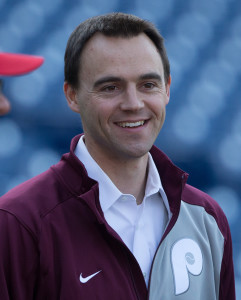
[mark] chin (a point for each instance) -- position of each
(136, 152)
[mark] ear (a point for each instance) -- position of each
(168, 88)
(71, 97)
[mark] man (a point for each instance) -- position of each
(114, 219)
(12, 64)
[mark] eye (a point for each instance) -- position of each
(109, 88)
(149, 85)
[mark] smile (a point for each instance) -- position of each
(131, 124)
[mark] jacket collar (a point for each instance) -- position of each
(74, 177)
(173, 178)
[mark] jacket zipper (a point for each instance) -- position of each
(163, 237)
(184, 177)
(126, 256)
(132, 277)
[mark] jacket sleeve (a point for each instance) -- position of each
(227, 281)
(18, 259)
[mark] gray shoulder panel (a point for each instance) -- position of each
(188, 262)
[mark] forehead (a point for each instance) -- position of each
(115, 54)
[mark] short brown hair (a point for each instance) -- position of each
(114, 25)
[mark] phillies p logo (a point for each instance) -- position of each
(186, 258)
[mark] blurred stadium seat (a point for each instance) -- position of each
(203, 40)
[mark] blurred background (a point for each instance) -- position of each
(202, 132)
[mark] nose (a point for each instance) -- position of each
(132, 100)
(4, 105)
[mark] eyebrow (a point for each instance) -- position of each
(151, 75)
(107, 79)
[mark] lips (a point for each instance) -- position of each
(131, 124)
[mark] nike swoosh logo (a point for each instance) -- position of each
(85, 279)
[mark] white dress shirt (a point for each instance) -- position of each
(139, 226)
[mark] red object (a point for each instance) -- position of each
(18, 64)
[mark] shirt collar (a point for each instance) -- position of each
(108, 192)
(154, 184)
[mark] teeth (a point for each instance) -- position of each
(134, 124)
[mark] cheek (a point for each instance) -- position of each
(160, 114)
(106, 110)
(96, 115)
(158, 107)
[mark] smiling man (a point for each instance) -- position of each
(115, 218)
(122, 105)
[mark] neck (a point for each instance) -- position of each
(128, 175)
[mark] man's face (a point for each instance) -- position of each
(4, 103)
(121, 96)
